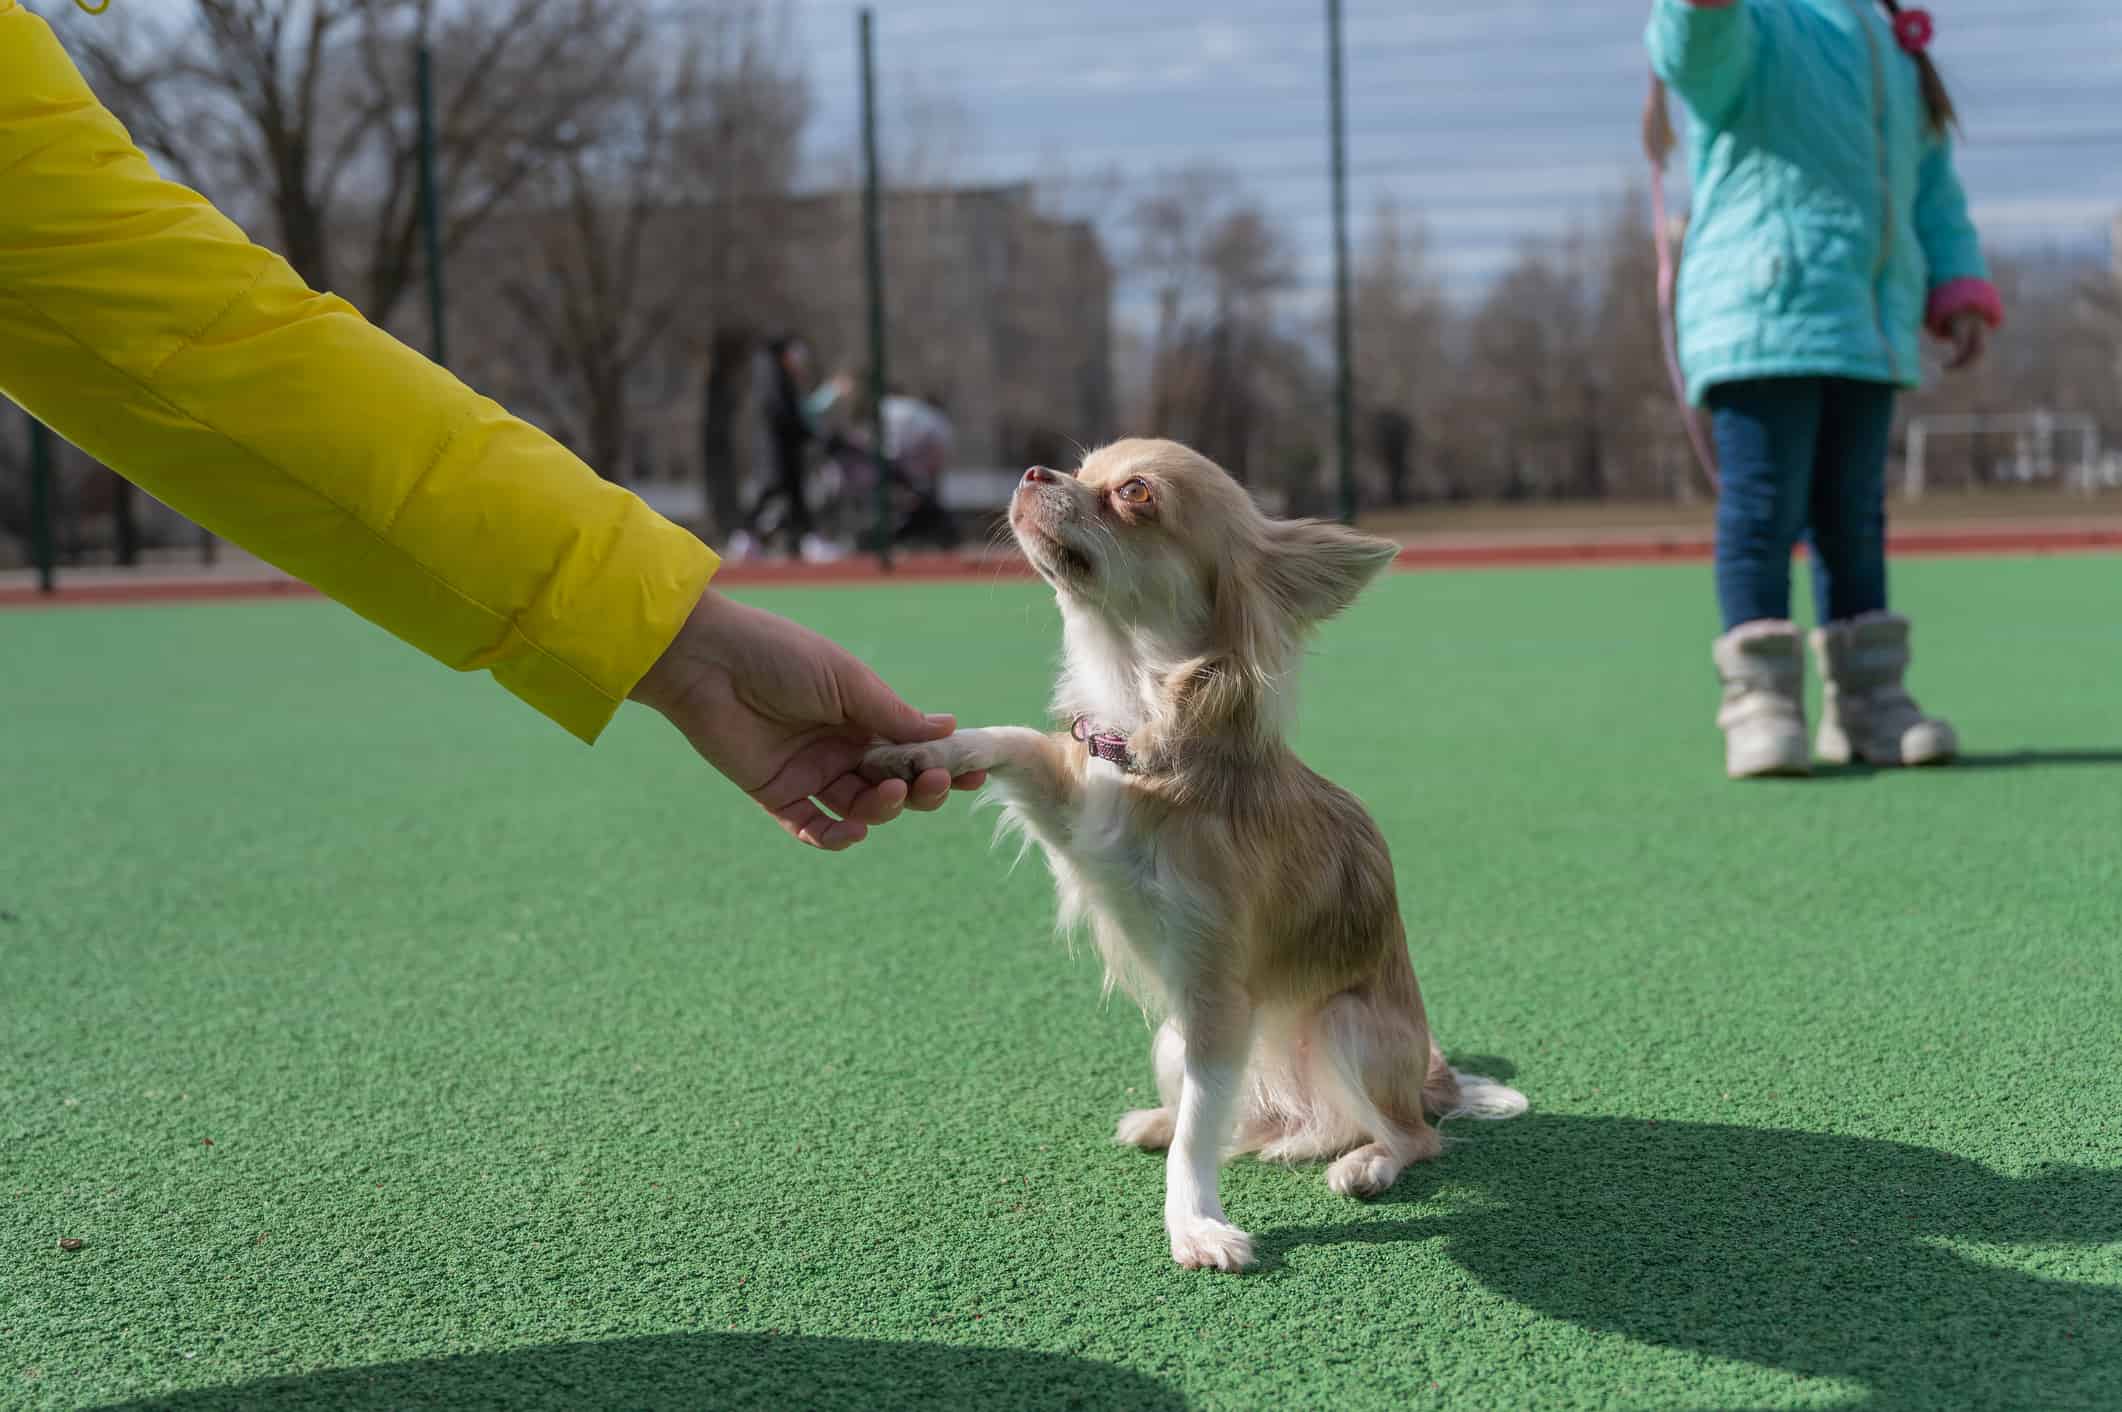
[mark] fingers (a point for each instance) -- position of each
(1972, 346)
(823, 781)
(853, 797)
(934, 787)
(807, 823)
(931, 788)
(1970, 335)
(861, 804)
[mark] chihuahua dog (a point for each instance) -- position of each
(1227, 887)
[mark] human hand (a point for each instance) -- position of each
(1968, 332)
(787, 715)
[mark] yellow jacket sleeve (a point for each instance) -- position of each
(143, 326)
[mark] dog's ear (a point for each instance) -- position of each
(1315, 568)
(1293, 574)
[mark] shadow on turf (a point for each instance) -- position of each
(1820, 1256)
(2027, 759)
(704, 1371)
(1982, 760)
(1493, 1066)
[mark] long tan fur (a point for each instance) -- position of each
(1227, 887)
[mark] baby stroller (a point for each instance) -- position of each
(917, 514)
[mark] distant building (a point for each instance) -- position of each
(999, 311)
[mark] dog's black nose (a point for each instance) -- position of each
(1039, 475)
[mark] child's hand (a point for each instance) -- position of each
(1969, 334)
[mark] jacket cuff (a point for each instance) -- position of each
(1962, 296)
(582, 649)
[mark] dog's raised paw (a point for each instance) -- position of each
(1146, 1128)
(902, 762)
(1212, 1245)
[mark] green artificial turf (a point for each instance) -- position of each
(388, 1049)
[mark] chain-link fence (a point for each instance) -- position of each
(1104, 220)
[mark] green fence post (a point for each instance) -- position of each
(873, 258)
(43, 537)
(1344, 377)
(430, 208)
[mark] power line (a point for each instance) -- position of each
(1003, 24)
(1495, 110)
(1183, 32)
(1981, 49)
(1312, 171)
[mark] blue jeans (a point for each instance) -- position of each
(1796, 455)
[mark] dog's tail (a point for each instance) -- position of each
(1449, 1093)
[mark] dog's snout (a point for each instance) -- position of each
(1039, 475)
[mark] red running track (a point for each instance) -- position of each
(943, 568)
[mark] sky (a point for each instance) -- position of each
(1496, 120)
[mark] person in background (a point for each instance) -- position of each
(918, 437)
(140, 324)
(1828, 232)
(792, 410)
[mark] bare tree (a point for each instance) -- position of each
(1170, 223)
(1247, 266)
(1516, 386)
(1400, 320)
(302, 114)
(739, 162)
(1215, 266)
(997, 295)
(1634, 409)
(604, 276)
(650, 251)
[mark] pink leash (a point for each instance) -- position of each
(1668, 283)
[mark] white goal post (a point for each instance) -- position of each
(2034, 437)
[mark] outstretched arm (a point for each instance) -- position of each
(1704, 51)
(141, 325)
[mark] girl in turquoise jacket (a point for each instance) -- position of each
(1828, 231)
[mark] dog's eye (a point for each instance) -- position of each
(1134, 492)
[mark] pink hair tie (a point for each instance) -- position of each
(1913, 30)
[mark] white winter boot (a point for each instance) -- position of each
(1762, 666)
(1866, 714)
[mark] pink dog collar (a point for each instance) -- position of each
(1106, 745)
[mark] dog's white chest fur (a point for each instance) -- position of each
(1102, 835)
(1140, 909)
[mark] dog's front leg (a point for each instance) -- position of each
(1030, 768)
(1217, 1035)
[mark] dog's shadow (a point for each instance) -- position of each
(1821, 1256)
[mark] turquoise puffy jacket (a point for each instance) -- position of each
(1828, 226)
